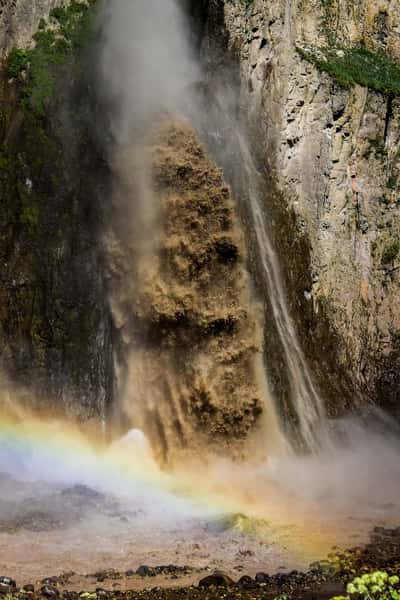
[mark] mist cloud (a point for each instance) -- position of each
(146, 61)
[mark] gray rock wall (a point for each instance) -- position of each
(19, 20)
(334, 156)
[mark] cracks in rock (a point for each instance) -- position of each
(389, 114)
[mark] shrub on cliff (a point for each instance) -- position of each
(56, 42)
(17, 61)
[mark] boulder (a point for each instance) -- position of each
(217, 579)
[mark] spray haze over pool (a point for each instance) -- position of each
(291, 510)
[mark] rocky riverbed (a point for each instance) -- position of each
(324, 579)
(75, 542)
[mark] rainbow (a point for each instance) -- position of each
(58, 453)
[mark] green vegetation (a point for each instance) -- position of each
(244, 524)
(56, 42)
(391, 252)
(17, 61)
(29, 215)
(329, 21)
(357, 65)
(373, 586)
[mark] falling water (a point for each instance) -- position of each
(225, 137)
(313, 492)
(147, 80)
(306, 400)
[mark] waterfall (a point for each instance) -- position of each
(219, 126)
(145, 86)
(306, 400)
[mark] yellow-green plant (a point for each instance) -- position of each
(373, 586)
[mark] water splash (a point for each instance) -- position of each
(304, 503)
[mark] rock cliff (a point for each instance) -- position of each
(332, 154)
(55, 327)
(329, 154)
(19, 20)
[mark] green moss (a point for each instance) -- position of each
(244, 524)
(376, 147)
(330, 20)
(5, 162)
(391, 252)
(357, 65)
(30, 215)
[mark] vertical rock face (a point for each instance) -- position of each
(333, 156)
(55, 337)
(55, 330)
(19, 20)
(191, 340)
(334, 166)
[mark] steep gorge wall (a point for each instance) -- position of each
(19, 20)
(333, 158)
(332, 191)
(189, 345)
(55, 326)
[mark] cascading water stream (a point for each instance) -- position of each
(145, 91)
(222, 132)
(193, 361)
(306, 401)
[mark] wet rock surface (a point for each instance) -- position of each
(55, 326)
(218, 579)
(381, 553)
(215, 585)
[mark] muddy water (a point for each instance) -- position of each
(191, 333)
